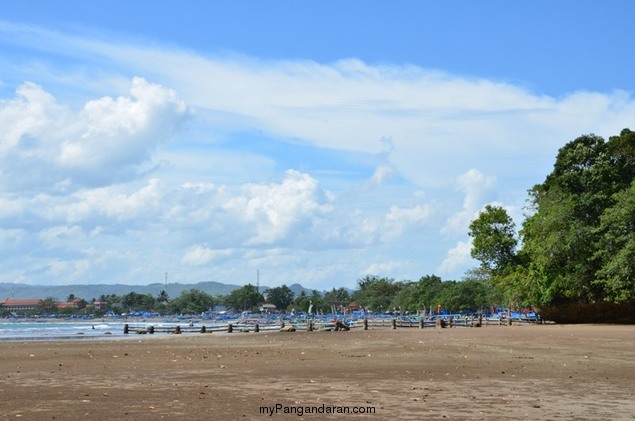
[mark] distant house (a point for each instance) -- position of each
(69, 304)
(267, 308)
(20, 305)
(100, 305)
(353, 306)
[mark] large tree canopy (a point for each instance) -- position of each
(579, 240)
(281, 297)
(192, 301)
(376, 293)
(246, 297)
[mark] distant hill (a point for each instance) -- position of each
(88, 292)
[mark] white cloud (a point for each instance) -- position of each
(382, 174)
(9, 208)
(10, 237)
(276, 209)
(44, 144)
(385, 268)
(111, 202)
(457, 259)
(477, 188)
(429, 116)
(60, 234)
(399, 220)
(116, 132)
(200, 255)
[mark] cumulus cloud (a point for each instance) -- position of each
(117, 132)
(278, 208)
(477, 189)
(457, 259)
(398, 220)
(114, 204)
(48, 146)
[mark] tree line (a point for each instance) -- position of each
(373, 293)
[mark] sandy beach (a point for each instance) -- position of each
(549, 372)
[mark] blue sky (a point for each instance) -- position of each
(316, 142)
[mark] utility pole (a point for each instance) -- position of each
(166, 282)
(258, 281)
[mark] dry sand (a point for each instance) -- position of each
(520, 372)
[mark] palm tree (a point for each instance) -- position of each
(163, 297)
(47, 305)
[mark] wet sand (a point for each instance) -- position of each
(549, 372)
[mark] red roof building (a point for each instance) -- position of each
(69, 304)
(14, 305)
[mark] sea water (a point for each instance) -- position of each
(46, 330)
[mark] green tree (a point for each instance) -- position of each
(244, 298)
(616, 249)
(414, 296)
(336, 298)
(376, 293)
(163, 297)
(489, 294)
(48, 305)
(301, 301)
(406, 298)
(563, 237)
(161, 302)
(192, 301)
(494, 239)
(281, 297)
(82, 304)
(470, 294)
(134, 301)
